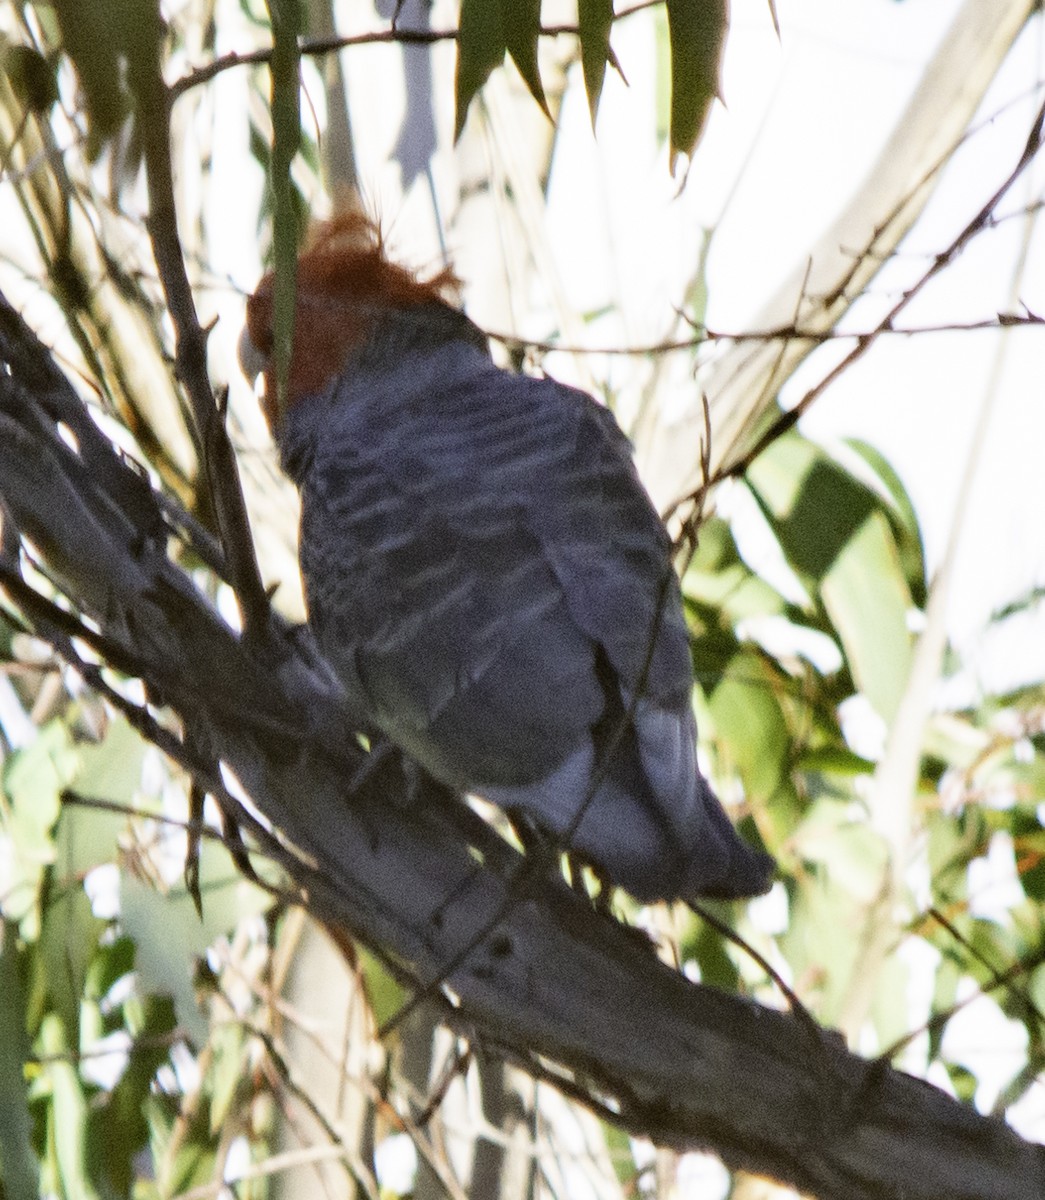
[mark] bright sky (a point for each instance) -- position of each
(829, 94)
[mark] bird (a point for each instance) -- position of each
(486, 574)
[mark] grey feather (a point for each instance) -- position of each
(490, 580)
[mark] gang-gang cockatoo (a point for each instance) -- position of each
(486, 574)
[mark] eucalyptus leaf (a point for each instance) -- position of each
(697, 32)
(19, 1169)
(169, 934)
(67, 1117)
(867, 598)
(750, 725)
(522, 25)
(384, 993)
(33, 780)
(594, 21)
(481, 46)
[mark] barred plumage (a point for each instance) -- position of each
(493, 586)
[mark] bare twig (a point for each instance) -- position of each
(779, 333)
(864, 341)
(395, 35)
(154, 104)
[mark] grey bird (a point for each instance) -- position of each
(486, 574)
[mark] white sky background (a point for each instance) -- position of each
(843, 77)
(806, 117)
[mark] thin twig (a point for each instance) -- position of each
(396, 35)
(778, 333)
(154, 101)
(864, 341)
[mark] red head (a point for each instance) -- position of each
(343, 277)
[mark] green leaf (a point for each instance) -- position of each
(68, 1111)
(522, 27)
(32, 78)
(150, 1020)
(953, 740)
(945, 993)
(91, 38)
(963, 1081)
(697, 33)
(621, 1153)
(104, 39)
(866, 597)
(1025, 602)
(718, 578)
(68, 941)
(953, 841)
(813, 505)
(19, 1169)
(834, 760)
(190, 1159)
(835, 535)
(695, 301)
(891, 1007)
(819, 944)
(890, 480)
(227, 1074)
(169, 934)
(905, 519)
(1029, 844)
(140, 30)
(33, 780)
(594, 22)
(384, 993)
(111, 963)
(481, 46)
(706, 947)
(854, 855)
(747, 717)
(112, 767)
(108, 770)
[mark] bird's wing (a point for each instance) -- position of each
(492, 542)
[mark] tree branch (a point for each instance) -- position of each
(318, 47)
(792, 331)
(153, 105)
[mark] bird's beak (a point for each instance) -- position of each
(251, 360)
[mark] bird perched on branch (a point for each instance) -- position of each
(486, 574)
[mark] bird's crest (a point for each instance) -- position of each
(344, 279)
